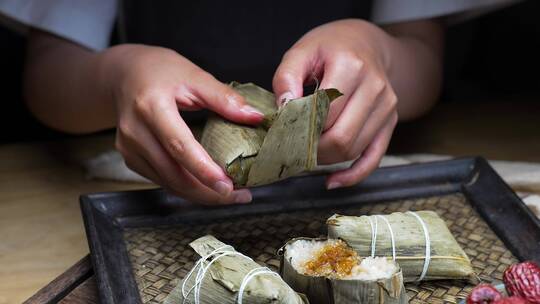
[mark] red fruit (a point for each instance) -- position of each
(484, 294)
(512, 300)
(523, 279)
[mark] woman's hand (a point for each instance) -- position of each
(149, 86)
(348, 55)
(372, 67)
(141, 88)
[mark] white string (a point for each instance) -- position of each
(200, 279)
(199, 267)
(202, 269)
(374, 231)
(391, 236)
(428, 245)
(251, 274)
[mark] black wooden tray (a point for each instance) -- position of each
(109, 216)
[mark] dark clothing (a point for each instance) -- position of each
(233, 40)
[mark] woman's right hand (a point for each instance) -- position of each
(149, 86)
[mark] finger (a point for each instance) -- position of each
(337, 143)
(343, 73)
(295, 67)
(176, 138)
(373, 93)
(141, 166)
(368, 162)
(386, 108)
(174, 178)
(194, 191)
(134, 161)
(350, 135)
(207, 92)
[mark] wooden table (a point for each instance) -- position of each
(41, 229)
(76, 285)
(503, 130)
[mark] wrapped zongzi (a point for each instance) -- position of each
(284, 145)
(419, 241)
(225, 276)
(329, 271)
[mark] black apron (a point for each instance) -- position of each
(233, 40)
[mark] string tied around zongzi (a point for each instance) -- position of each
(374, 224)
(425, 250)
(251, 274)
(427, 258)
(392, 240)
(202, 269)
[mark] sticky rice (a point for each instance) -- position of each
(334, 259)
(330, 271)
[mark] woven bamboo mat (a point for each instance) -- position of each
(161, 257)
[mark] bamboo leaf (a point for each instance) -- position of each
(284, 145)
(222, 282)
(448, 260)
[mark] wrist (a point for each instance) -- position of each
(112, 64)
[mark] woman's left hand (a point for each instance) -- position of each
(349, 55)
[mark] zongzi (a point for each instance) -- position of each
(284, 145)
(224, 276)
(329, 271)
(419, 241)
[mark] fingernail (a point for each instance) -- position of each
(284, 98)
(251, 110)
(242, 196)
(223, 188)
(334, 185)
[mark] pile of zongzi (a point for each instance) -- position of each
(366, 259)
(329, 271)
(284, 145)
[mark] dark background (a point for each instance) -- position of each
(493, 58)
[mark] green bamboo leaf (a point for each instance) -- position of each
(284, 145)
(222, 281)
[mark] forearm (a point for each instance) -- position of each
(63, 86)
(415, 65)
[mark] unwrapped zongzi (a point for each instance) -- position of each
(329, 271)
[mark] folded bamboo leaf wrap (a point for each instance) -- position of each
(224, 277)
(447, 259)
(258, 98)
(284, 145)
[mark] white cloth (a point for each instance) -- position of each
(90, 22)
(391, 11)
(111, 166)
(86, 22)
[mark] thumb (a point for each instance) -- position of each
(207, 92)
(294, 69)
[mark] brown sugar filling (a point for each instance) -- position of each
(335, 260)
